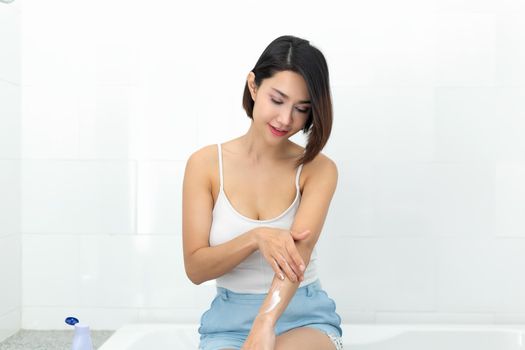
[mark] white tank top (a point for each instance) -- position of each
(253, 274)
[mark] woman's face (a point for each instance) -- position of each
(281, 104)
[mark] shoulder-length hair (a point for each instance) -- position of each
(295, 54)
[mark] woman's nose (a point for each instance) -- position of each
(285, 118)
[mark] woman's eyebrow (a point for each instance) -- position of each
(286, 96)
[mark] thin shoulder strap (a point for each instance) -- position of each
(299, 169)
(297, 176)
(220, 166)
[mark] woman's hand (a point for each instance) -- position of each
(262, 335)
(278, 248)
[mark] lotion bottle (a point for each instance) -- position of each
(82, 337)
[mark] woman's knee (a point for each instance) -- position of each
(304, 338)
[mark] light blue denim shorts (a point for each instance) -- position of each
(228, 321)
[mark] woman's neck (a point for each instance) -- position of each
(258, 151)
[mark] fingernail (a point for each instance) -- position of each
(301, 267)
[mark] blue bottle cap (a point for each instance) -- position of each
(71, 321)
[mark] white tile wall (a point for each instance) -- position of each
(481, 275)
(10, 206)
(383, 123)
(509, 206)
(434, 317)
(374, 48)
(510, 44)
(9, 125)
(129, 273)
(10, 273)
(380, 274)
(394, 199)
(426, 223)
(465, 49)
(49, 121)
(159, 191)
(76, 196)
(479, 124)
(10, 39)
(10, 198)
(53, 317)
(10, 323)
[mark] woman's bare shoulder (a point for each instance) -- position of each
(202, 162)
(321, 165)
(320, 161)
(204, 154)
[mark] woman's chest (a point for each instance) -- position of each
(257, 194)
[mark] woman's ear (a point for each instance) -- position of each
(250, 80)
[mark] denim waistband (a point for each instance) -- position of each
(307, 290)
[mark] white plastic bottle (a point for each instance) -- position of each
(82, 337)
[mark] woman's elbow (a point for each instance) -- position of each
(191, 273)
(194, 276)
(195, 281)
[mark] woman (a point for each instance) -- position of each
(238, 224)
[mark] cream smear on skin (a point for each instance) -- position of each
(276, 298)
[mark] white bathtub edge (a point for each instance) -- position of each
(355, 333)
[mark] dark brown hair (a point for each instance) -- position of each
(295, 54)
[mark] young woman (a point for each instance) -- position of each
(239, 226)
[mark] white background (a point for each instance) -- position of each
(102, 102)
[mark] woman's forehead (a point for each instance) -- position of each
(288, 84)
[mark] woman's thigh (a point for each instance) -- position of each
(304, 338)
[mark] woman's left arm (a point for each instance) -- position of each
(317, 194)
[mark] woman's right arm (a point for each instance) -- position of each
(202, 262)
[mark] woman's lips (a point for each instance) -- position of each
(277, 132)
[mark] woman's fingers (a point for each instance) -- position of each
(300, 235)
(297, 259)
(277, 269)
(287, 268)
(281, 253)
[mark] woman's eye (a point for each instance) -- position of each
(302, 110)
